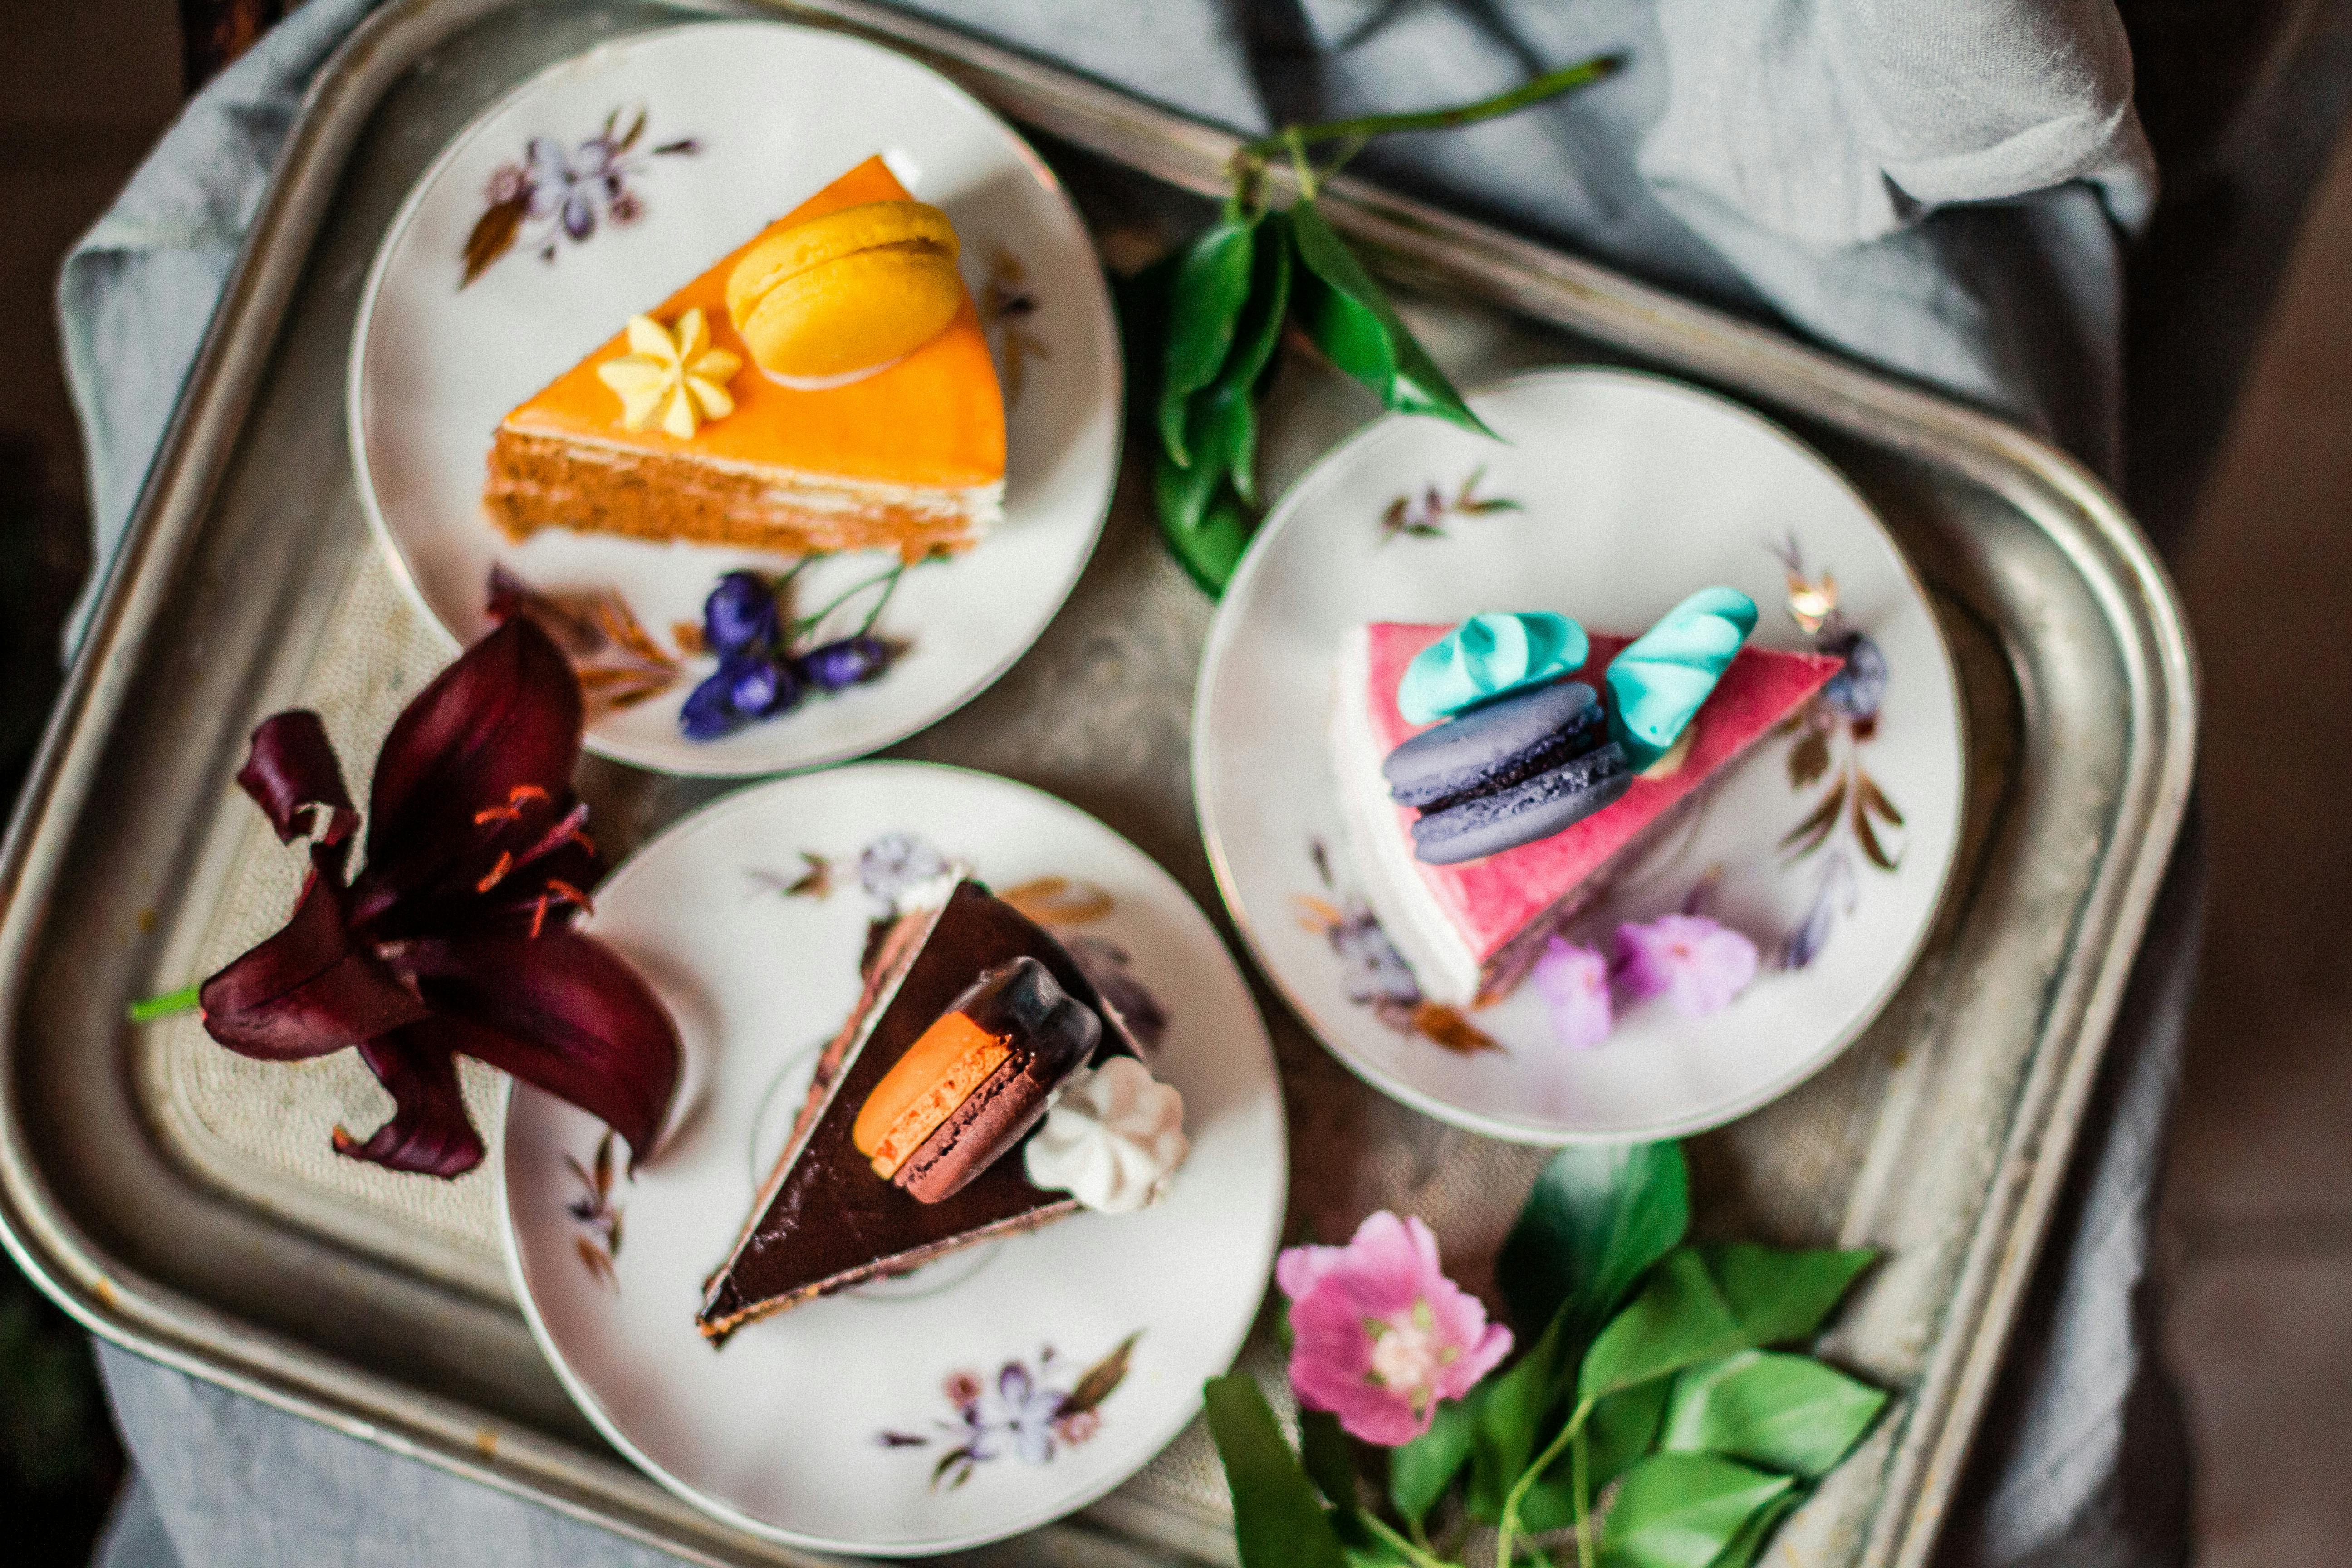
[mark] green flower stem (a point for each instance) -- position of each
(1366, 126)
(882, 604)
(1506, 1532)
(1294, 138)
(1417, 1555)
(169, 1004)
(1580, 1464)
(783, 590)
(808, 622)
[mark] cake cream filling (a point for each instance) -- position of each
(1431, 944)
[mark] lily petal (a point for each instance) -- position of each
(560, 1011)
(503, 722)
(429, 1131)
(312, 988)
(292, 773)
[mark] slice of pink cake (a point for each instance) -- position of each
(1471, 931)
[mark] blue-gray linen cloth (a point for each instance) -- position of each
(1941, 188)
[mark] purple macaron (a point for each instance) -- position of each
(1507, 772)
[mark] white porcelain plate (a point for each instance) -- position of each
(933, 1411)
(741, 121)
(1620, 495)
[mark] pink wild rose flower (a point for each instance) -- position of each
(1696, 964)
(1573, 982)
(1379, 1334)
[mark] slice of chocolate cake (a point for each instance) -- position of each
(986, 1038)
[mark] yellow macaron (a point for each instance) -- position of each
(848, 291)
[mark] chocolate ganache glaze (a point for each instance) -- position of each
(825, 1220)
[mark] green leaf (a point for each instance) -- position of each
(1512, 1409)
(1679, 1319)
(1782, 1412)
(1365, 1549)
(1779, 1295)
(1211, 550)
(1219, 426)
(1617, 1434)
(1682, 1511)
(1144, 299)
(1596, 1217)
(1255, 339)
(1420, 1471)
(1277, 1523)
(1211, 285)
(1622, 1429)
(1330, 1464)
(1743, 1548)
(1352, 321)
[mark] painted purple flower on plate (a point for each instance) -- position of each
(1380, 1334)
(1696, 964)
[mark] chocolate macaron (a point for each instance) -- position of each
(974, 1083)
(1508, 771)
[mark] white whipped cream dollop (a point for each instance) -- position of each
(1112, 1140)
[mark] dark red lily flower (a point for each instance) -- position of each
(455, 938)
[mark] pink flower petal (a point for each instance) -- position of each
(1379, 1334)
(1574, 983)
(1698, 964)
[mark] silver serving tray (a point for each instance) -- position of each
(1943, 1134)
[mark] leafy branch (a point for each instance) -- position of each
(1651, 1385)
(1202, 324)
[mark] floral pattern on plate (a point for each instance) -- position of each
(1377, 974)
(555, 194)
(1426, 516)
(1830, 732)
(1006, 308)
(599, 1217)
(1024, 1412)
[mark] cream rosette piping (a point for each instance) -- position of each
(1112, 1140)
(671, 373)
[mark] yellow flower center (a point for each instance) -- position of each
(1408, 1356)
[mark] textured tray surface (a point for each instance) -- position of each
(186, 1201)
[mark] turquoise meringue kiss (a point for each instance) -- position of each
(1487, 656)
(1658, 680)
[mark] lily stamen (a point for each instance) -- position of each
(512, 810)
(498, 873)
(557, 888)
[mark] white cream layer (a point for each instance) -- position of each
(1381, 847)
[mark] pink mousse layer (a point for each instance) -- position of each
(1491, 900)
